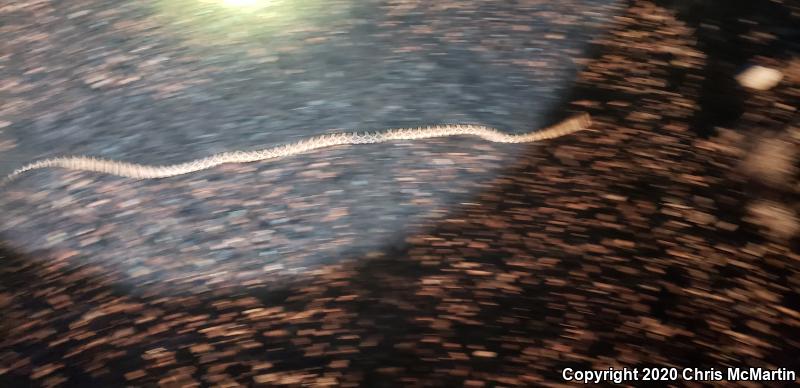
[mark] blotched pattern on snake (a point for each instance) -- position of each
(143, 171)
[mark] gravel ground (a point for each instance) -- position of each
(154, 91)
(666, 236)
(138, 82)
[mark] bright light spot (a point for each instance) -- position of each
(243, 3)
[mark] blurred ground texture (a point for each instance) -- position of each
(667, 236)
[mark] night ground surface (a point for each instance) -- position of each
(666, 236)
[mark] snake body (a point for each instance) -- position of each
(142, 171)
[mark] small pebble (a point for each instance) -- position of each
(759, 78)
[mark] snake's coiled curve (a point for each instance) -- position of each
(142, 171)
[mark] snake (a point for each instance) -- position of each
(570, 125)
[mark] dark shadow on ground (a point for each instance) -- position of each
(721, 28)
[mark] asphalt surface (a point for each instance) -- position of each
(666, 236)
